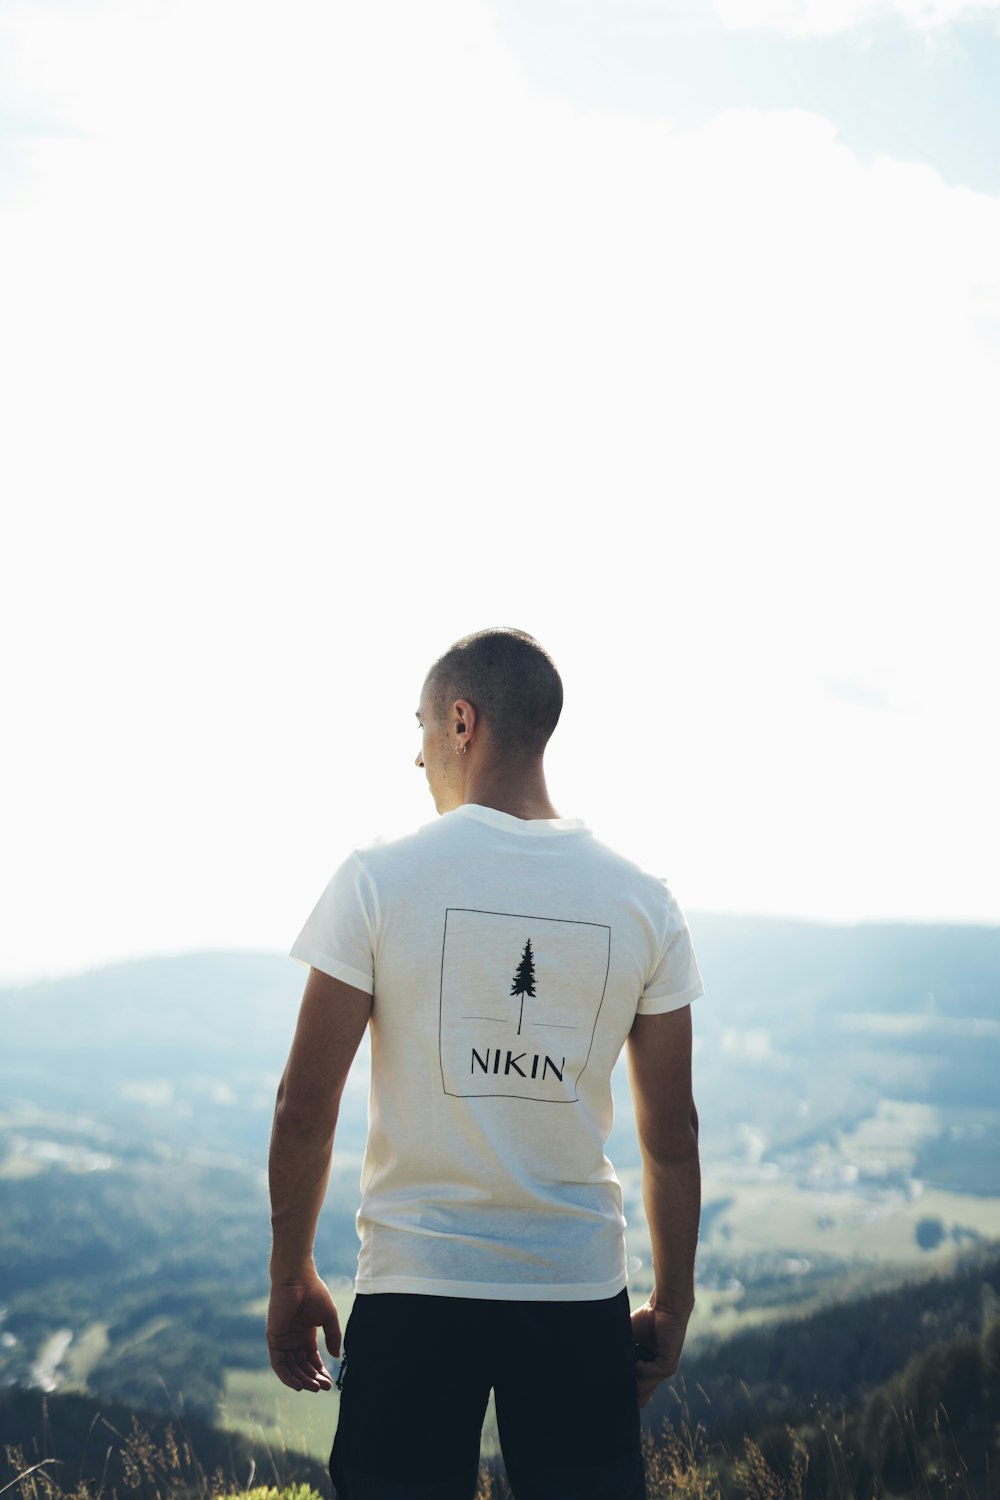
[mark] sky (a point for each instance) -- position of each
(669, 332)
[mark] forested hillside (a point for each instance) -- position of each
(107, 1446)
(876, 1392)
(894, 1395)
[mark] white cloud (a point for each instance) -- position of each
(751, 1045)
(752, 1142)
(158, 1093)
(326, 339)
(826, 17)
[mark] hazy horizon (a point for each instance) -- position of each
(41, 975)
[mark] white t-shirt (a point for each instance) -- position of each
(507, 959)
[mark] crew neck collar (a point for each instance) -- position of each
(531, 827)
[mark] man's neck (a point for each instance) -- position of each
(522, 794)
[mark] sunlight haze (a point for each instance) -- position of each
(331, 333)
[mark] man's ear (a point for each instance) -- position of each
(463, 720)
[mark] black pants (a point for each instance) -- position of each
(418, 1376)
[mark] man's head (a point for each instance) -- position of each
(496, 689)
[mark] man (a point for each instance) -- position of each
(502, 957)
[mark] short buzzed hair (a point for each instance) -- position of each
(509, 679)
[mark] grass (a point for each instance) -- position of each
(676, 1469)
(256, 1404)
(679, 1466)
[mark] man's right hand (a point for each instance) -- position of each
(660, 1330)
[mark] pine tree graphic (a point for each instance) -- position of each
(524, 980)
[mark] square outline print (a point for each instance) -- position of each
(520, 917)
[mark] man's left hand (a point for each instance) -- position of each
(296, 1310)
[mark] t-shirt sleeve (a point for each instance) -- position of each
(339, 936)
(675, 979)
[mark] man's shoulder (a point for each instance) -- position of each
(626, 865)
(385, 851)
(643, 888)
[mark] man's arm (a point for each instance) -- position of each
(332, 1021)
(659, 1062)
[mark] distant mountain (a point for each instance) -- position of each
(948, 969)
(804, 1028)
(194, 1005)
(799, 977)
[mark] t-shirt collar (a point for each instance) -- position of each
(532, 827)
